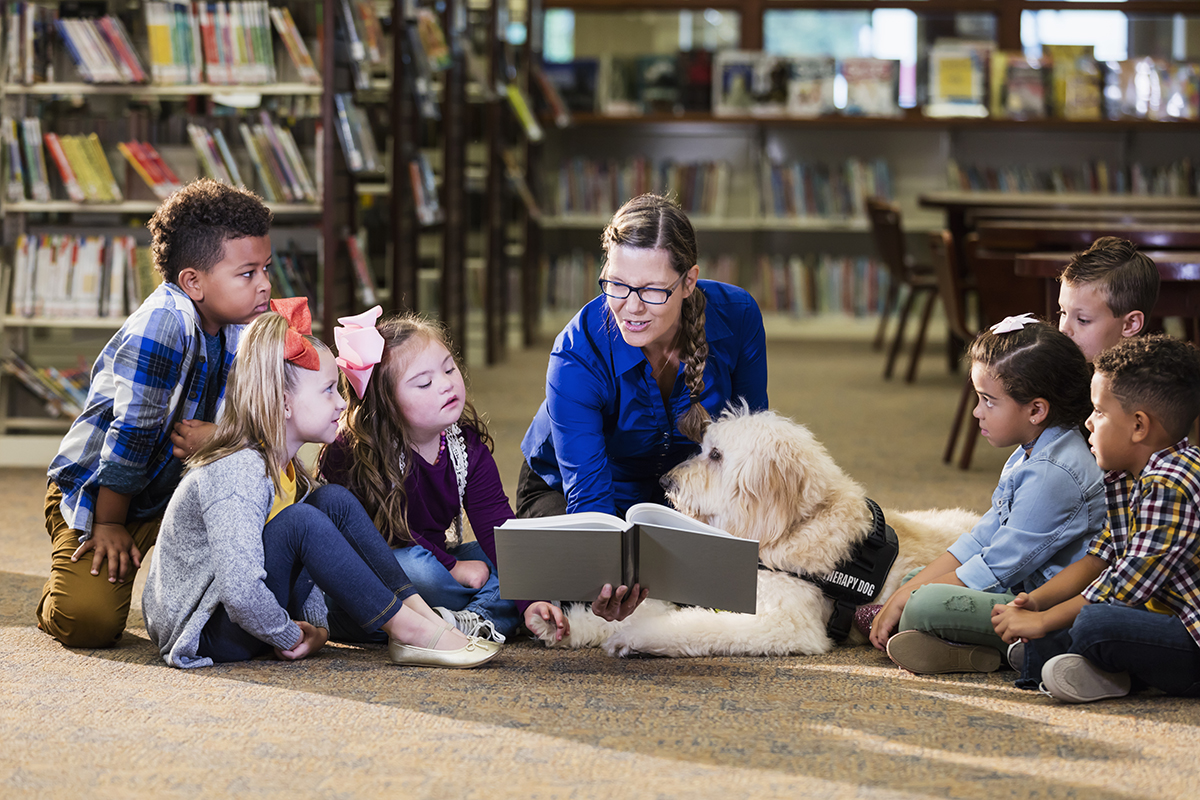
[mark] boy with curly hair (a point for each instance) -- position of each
(1127, 614)
(157, 387)
(1107, 293)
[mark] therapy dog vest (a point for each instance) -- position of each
(859, 579)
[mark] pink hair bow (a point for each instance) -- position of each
(360, 347)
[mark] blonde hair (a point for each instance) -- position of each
(254, 415)
(375, 430)
(653, 222)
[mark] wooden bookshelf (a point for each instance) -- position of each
(31, 437)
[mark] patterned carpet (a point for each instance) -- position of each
(551, 724)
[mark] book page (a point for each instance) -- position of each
(536, 561)
(655, 514)
(586, 520)
(713, 571)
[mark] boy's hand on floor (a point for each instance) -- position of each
(188, 435)
(111, 543)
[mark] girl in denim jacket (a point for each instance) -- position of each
(1032, 383)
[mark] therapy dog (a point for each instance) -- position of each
(761, 476)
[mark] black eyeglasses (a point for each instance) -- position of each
(650, 295)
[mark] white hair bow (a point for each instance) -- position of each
(1010, 324)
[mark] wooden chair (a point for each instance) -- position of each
(953, 288)
(904, 272)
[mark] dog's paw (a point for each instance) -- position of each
(618, 646)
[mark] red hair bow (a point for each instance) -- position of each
(296, 348)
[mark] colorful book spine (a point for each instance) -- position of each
(70, 183)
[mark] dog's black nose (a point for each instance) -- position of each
(667, 482)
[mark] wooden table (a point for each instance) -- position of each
(958, 205)
(1178, 294)
(1077, 235)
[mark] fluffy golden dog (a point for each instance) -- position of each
(762, 476)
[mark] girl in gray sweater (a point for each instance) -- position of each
(243, 541)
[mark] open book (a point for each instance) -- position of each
(572, 556)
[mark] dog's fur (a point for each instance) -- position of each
(762, 476)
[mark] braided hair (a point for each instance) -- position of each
(653, 222)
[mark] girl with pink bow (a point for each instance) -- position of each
(414, 451)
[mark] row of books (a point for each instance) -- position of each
(969, 78)
(84, 175)
(837, 190)
(65, 276)
(64, 391)
(820, 284)
(188, 42)
(596, 186)
(82, 168)
(1178, 179)
(222, 43)
(965, 78)
(730, 83)
(797, 285)
(283, 177)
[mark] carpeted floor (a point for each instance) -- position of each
(551, 724)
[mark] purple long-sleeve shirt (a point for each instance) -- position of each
(432, 494)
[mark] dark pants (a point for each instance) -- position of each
(535, 498)
(327, 541)
(1155, 649)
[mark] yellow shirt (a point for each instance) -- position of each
(287, 495)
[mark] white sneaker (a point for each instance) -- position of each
(471, 624)
(1071, 678)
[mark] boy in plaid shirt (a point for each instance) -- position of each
(156, 389)
(1127, 614)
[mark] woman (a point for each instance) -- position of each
(636, 376)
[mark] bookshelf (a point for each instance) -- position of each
(64, 102)
(919, 149)
(459, 266)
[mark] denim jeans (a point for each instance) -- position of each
(327, 541)
(1155, 649)
(439, 588)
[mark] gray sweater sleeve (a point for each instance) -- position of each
(233, 513)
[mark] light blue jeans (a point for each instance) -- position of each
(438, 588)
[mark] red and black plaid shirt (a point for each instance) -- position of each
(1152, 539)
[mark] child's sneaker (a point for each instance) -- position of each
(1071, 678)
(471, 624)
(926, 654)
(1016, 656)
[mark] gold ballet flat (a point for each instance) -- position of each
(475, 652)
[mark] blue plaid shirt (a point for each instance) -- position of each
(1152, 540)
(151, 374)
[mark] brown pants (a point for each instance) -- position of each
(78, 608)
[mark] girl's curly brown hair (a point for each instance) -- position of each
(373, 427)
